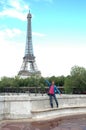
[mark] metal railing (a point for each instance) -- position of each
(28, 90)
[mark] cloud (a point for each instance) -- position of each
(11, 52)
(10, 58)
(57, 60)
(15, 33)
(17, 4)
(16, 9)
(38, 34)
(10, 33)
(14, 14)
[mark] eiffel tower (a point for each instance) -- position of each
(29, 67)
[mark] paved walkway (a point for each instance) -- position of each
(71, 124)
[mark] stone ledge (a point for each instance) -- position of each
(57, 112)
(53, 109)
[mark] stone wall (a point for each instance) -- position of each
(1, 107)
(63, 100)
(25, 106)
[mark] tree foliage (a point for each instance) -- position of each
(76, 82)
(73, 83)
(30, 82)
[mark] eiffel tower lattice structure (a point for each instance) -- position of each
(29, 66)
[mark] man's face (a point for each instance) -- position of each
(52, 82)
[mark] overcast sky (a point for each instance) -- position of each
(59, 35)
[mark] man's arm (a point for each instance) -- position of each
(48, 83)
(57, 90)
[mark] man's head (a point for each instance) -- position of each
(53, 82)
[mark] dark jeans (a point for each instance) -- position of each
(51, 100)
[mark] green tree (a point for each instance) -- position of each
(68, 86)
(6, 82)
(76, 81)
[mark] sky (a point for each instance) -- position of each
(58, 35)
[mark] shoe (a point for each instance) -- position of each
(57, 106)
(51, 105)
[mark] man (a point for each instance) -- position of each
(52, 91)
